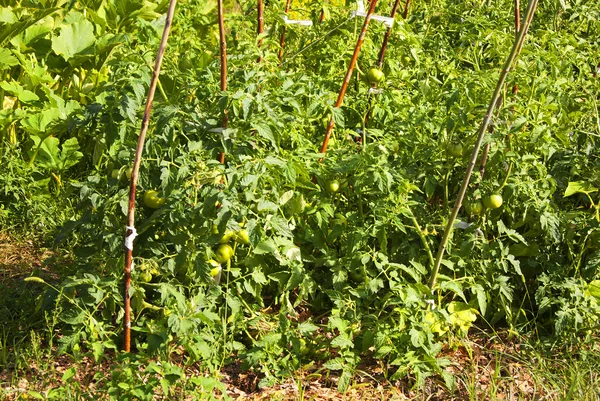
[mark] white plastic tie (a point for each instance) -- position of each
(218, 129)
(464, 225)
(297, 22)
(360, 12)
(375, 91)
(431, 303)
(129, 239)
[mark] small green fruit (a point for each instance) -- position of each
(242, 237)
(454, 150)
(375, 75)
(152, 200)
(494, 201)
(223, 253)
(334, 186)
(227, 237)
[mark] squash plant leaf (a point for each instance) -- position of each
(74, 39)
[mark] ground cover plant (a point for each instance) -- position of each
(259, 252)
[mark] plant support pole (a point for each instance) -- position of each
(261, 24)
(515, 89)
(282, 40)
(406, 7)
(348, 76)
(386, 37)
(380, 66)
(130, 232)
(322, 15)
(223, 44)
(481, 134)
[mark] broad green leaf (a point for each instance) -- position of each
(7, 59)
(594, 289)
(38, 123)
(16, 89)
(74, 39)
(579, 187)
(7, 16)
(50, 156)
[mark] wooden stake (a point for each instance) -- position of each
(348, 76)
(282, 40)
(322, 16)
(130, 232)
(261, 24)
(481, 134)
(223, 43)
(387, 36)
(515, 89)
(405, 13)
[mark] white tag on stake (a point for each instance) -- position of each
(296, 22)
(464, 225)
(360, 12)
(129, 239)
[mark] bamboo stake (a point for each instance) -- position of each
(282, 40)
(348, 76)
(386, 37)
(322, 16)
(223, 43)
(380, 66)
(515, 89)
(130, 232)
(482, 131)
(261, 24)
(405, 13)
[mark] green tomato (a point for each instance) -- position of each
(145, 277)
(375, 75)
(475, 207)
(333, 186)
(116, 173)
(216, 268)
(223, 253)
(242, 237)
(493, 201)
(454, 149)
(129, 172)
(227, 237)
(152, 200)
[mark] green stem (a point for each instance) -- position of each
(422, 236)
(481, 134)
(510, 166)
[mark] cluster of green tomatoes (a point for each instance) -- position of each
(226, 249)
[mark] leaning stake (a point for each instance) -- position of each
(482, 131)
(515, 89)
(261, 25)
(340, 98)
(130, 232)
(223, 43)
(386, 37)
(282, 39)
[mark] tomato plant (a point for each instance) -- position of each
(349, 235)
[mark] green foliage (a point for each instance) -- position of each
(327, 276)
